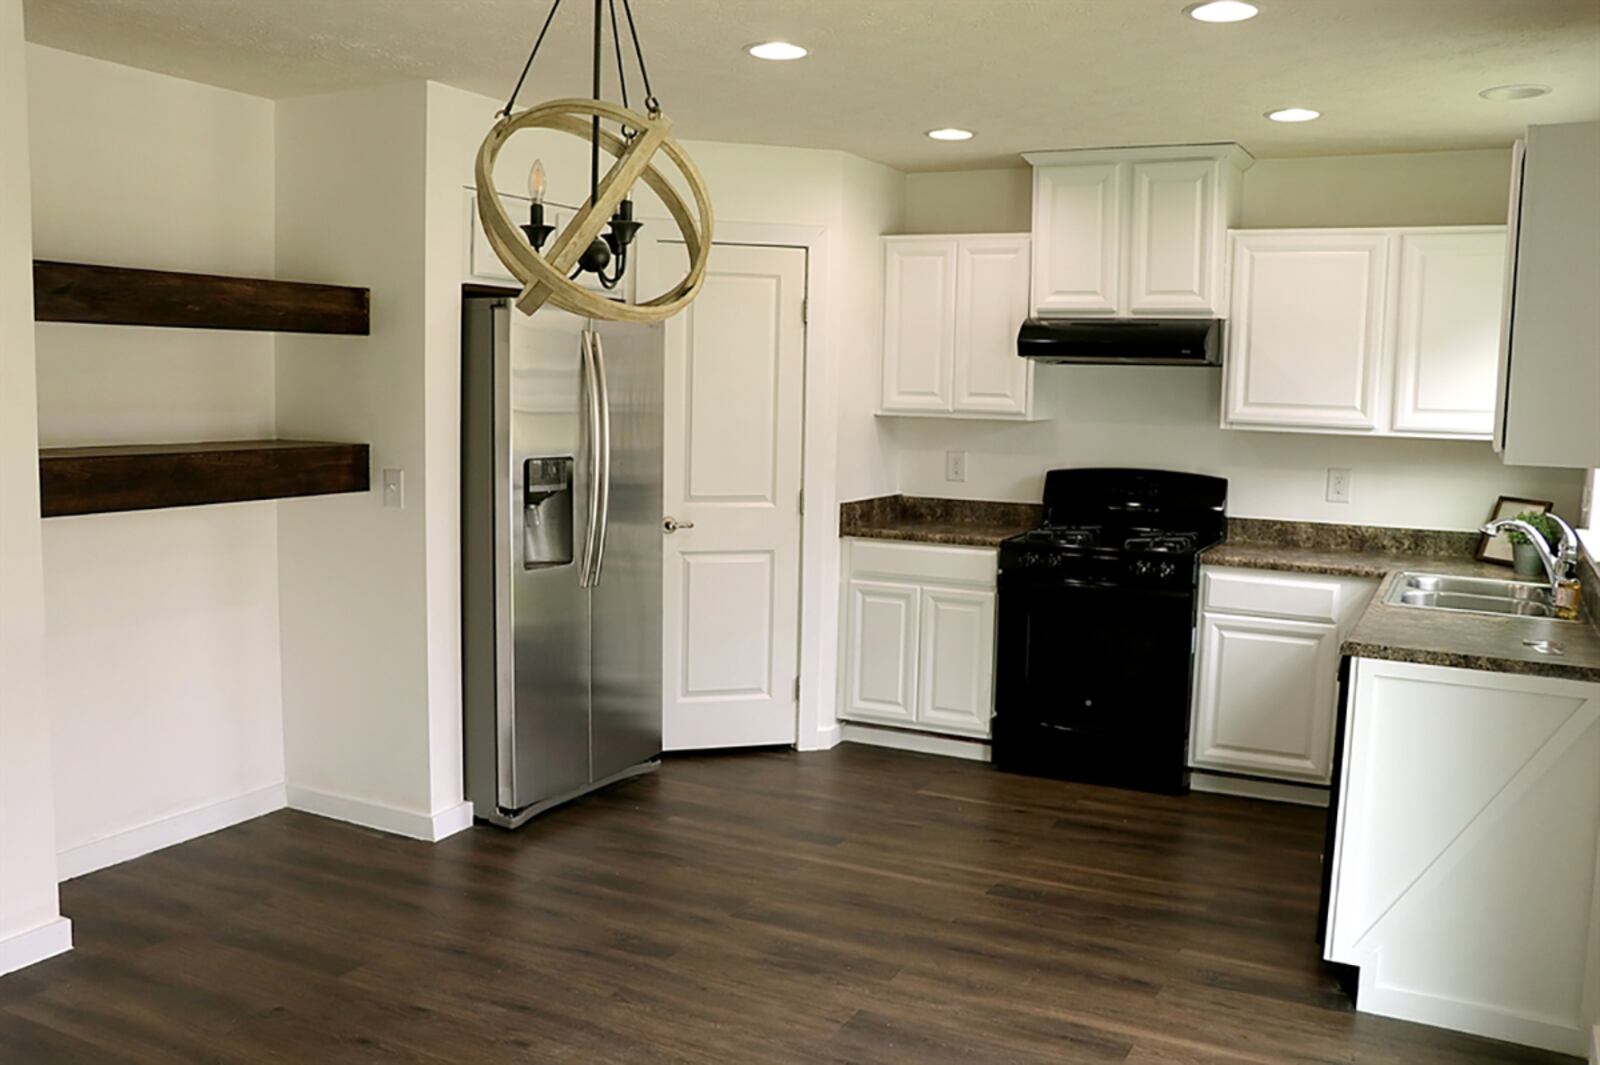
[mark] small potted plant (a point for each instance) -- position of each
(1524, 555)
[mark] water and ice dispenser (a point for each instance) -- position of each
(547, 511)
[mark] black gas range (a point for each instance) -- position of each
(1096, 627)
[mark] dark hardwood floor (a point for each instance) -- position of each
(850, 906)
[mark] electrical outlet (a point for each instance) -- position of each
(394, 489)
(955, 465)
(1338, 485)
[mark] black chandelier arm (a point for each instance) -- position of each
(622, 71)
(512, 102)
(651, 104)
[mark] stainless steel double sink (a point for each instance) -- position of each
(1473, 595)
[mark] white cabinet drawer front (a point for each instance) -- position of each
(1266, 698)
(918, 324)
(955, 681)
(1078, 228)
(881, 654)
(923, 563)
(1305, 335)
(1173, 237)
(1272, 595)
(991, 304)
(1447, 331)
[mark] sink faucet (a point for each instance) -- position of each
(1560, 564)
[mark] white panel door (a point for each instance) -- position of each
(731, 457)
(1266, 697)
(990, 307)
(1077, 252)
(919, 301)
(955, 675)
(1305, 336)
(1447, 331)
(1172, 258)
(881, 651)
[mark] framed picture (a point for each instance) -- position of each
(1497, 548)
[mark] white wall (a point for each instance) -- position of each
(1169, 418)
(163, 626)
(371, 719)
(31, 926)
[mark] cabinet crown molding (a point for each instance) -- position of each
(1234, 154)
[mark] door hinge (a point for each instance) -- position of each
(805, 311)
(801, 502)
(797, 689)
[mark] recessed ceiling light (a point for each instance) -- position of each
(949, 134)
(1222, 11)
(1515, 92)
(779, 51)
(1293, 114)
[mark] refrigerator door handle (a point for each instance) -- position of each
(592, 430)
(603, 478)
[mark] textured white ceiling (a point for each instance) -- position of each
(1388, 75)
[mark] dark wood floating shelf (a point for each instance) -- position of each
(115, 295)
(102, 480)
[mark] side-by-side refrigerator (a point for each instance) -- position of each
(561, 554)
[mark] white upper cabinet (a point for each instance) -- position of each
(1447, 330)
(1134, 232)
(1550, 362)
(1176, 250)
(1305, 335)
(1077, 220)
(953, 306)
(1381, 332)
(919, 323)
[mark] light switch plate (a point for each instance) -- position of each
(1338, 485)
(955, 465)
(394, 488)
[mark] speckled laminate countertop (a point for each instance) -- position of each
(1411, 634)
(964, 522)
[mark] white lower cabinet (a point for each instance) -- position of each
(1465, 856)
(919, 636)
(1266, 681)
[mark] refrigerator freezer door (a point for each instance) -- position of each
(627, 588)
(544, 703)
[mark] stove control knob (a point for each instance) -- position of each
(1030, 558)
(1142, 568)
(1167, 569)
(1053, 560)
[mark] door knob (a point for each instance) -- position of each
(672, 525)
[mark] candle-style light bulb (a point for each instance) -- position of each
(536, 182)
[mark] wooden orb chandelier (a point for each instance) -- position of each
(550, 276)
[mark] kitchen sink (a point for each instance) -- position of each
(1474, 595)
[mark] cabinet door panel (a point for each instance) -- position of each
(881, 653)
(1305, 336)
(918, 324)
(1266, 698)
(1447, 331)
(1172, 254)
(1077, 221)
(955, 683)
(991, 303)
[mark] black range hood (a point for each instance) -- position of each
(1122, 341)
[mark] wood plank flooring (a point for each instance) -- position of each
(857, 905)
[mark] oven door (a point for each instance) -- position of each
(1093, 680)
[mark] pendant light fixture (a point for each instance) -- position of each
(549, 270)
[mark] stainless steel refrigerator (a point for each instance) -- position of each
(561, 554)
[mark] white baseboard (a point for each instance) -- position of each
(430, 828)
(1594, 1045)
(821, 740)
(973, 750)
(176, 828)
(35, 945)
(1474, 1018)
(1246, 787)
